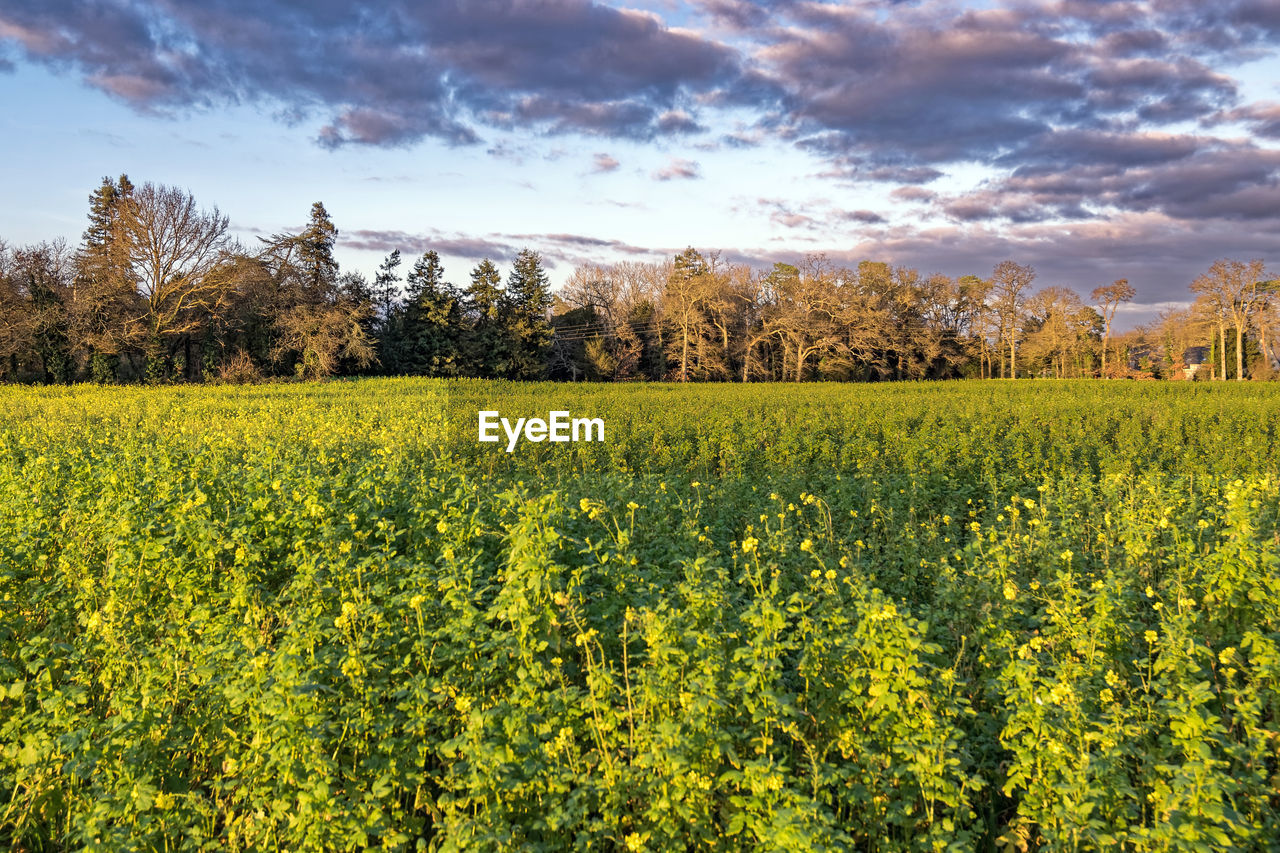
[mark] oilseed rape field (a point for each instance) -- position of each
(962, 616)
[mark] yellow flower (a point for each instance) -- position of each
(1150, 636)
(749, 544)
(1010, 590)
(831, 574)
(807, 545)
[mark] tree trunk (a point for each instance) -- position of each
(1239, 353)
(1106, 339)
(684, 357)
(1222, 338)
(799, 361)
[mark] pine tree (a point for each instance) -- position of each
(690, 263)
(387, 314)
(386, 290)
(105, 297)
(487, 349)
(431, 322)
(529, 294)
(315, 252)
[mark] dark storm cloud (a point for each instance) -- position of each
(390, 73)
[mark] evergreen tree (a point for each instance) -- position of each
(315, 252)
(487, 349)
(431, 322)
(106, 296)
(529, 295)
(690, 263)
(386, 314)
(386, 290)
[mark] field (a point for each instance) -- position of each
(962, 616)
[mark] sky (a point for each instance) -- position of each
(1092, 139)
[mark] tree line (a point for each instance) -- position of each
(158, 291)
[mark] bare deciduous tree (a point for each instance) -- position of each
(1009, 284)
(1108, 299)
(1233, 290)
(175, 250)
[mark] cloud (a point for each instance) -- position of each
(457, 245)
(1090, 115)
(501, 247)
(604, 163)
(914, 194)
(387, 74)
(782, 212)
(1187, 179)
(1157, 254)
(883, 91)
(678, 168)
(866, 217)
(1263, 119)
(928, 84)
(674, 122)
